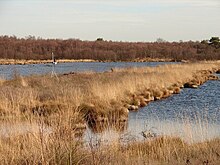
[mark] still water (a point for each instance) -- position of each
(8, 71)
(193, 115)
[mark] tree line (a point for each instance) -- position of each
(12, 47)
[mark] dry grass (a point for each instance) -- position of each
(163, 150)
(104, 92)
(23, 62)
(66, 104)
(41, 146)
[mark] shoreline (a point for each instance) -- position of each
(127, 89)
(72, 102)
(25, 62)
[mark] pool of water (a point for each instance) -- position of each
(8, 71)
(193, 115)
(18, 128)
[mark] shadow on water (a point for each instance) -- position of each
(99, 128)
(11, 71)
(193, 115)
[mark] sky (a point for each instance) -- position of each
(116, 20)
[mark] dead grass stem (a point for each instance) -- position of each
(66, 104)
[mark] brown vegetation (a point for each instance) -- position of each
(62, 149)
(23, 62)
(40, 49)
(98, 99)
(100, 96)
(162, 150)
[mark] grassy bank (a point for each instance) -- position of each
(62, 149)
(99, 97)
(66, 103)
(25, 62)
(163, 150)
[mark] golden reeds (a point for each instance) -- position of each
(65, 105)
(124, 88)
(24, 62)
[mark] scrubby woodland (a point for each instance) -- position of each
(31, 48)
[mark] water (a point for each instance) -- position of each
(7, 71)
(19, 128)
(193, 115)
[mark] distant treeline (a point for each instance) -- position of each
(36, 49)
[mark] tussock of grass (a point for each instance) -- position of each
(163, 150)
(99, 94)
(98, 99)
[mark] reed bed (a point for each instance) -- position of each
(54, 148)
(24, 62)
(99, 96)
(162, 150)
(71, 102)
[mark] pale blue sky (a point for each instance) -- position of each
(121, 20)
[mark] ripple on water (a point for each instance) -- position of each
(7, 71)
(195, 109)
(193, 115)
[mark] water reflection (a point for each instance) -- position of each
(100, 127)
(8, 129)
(193, 115)
(189, 131)
(7, 71)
